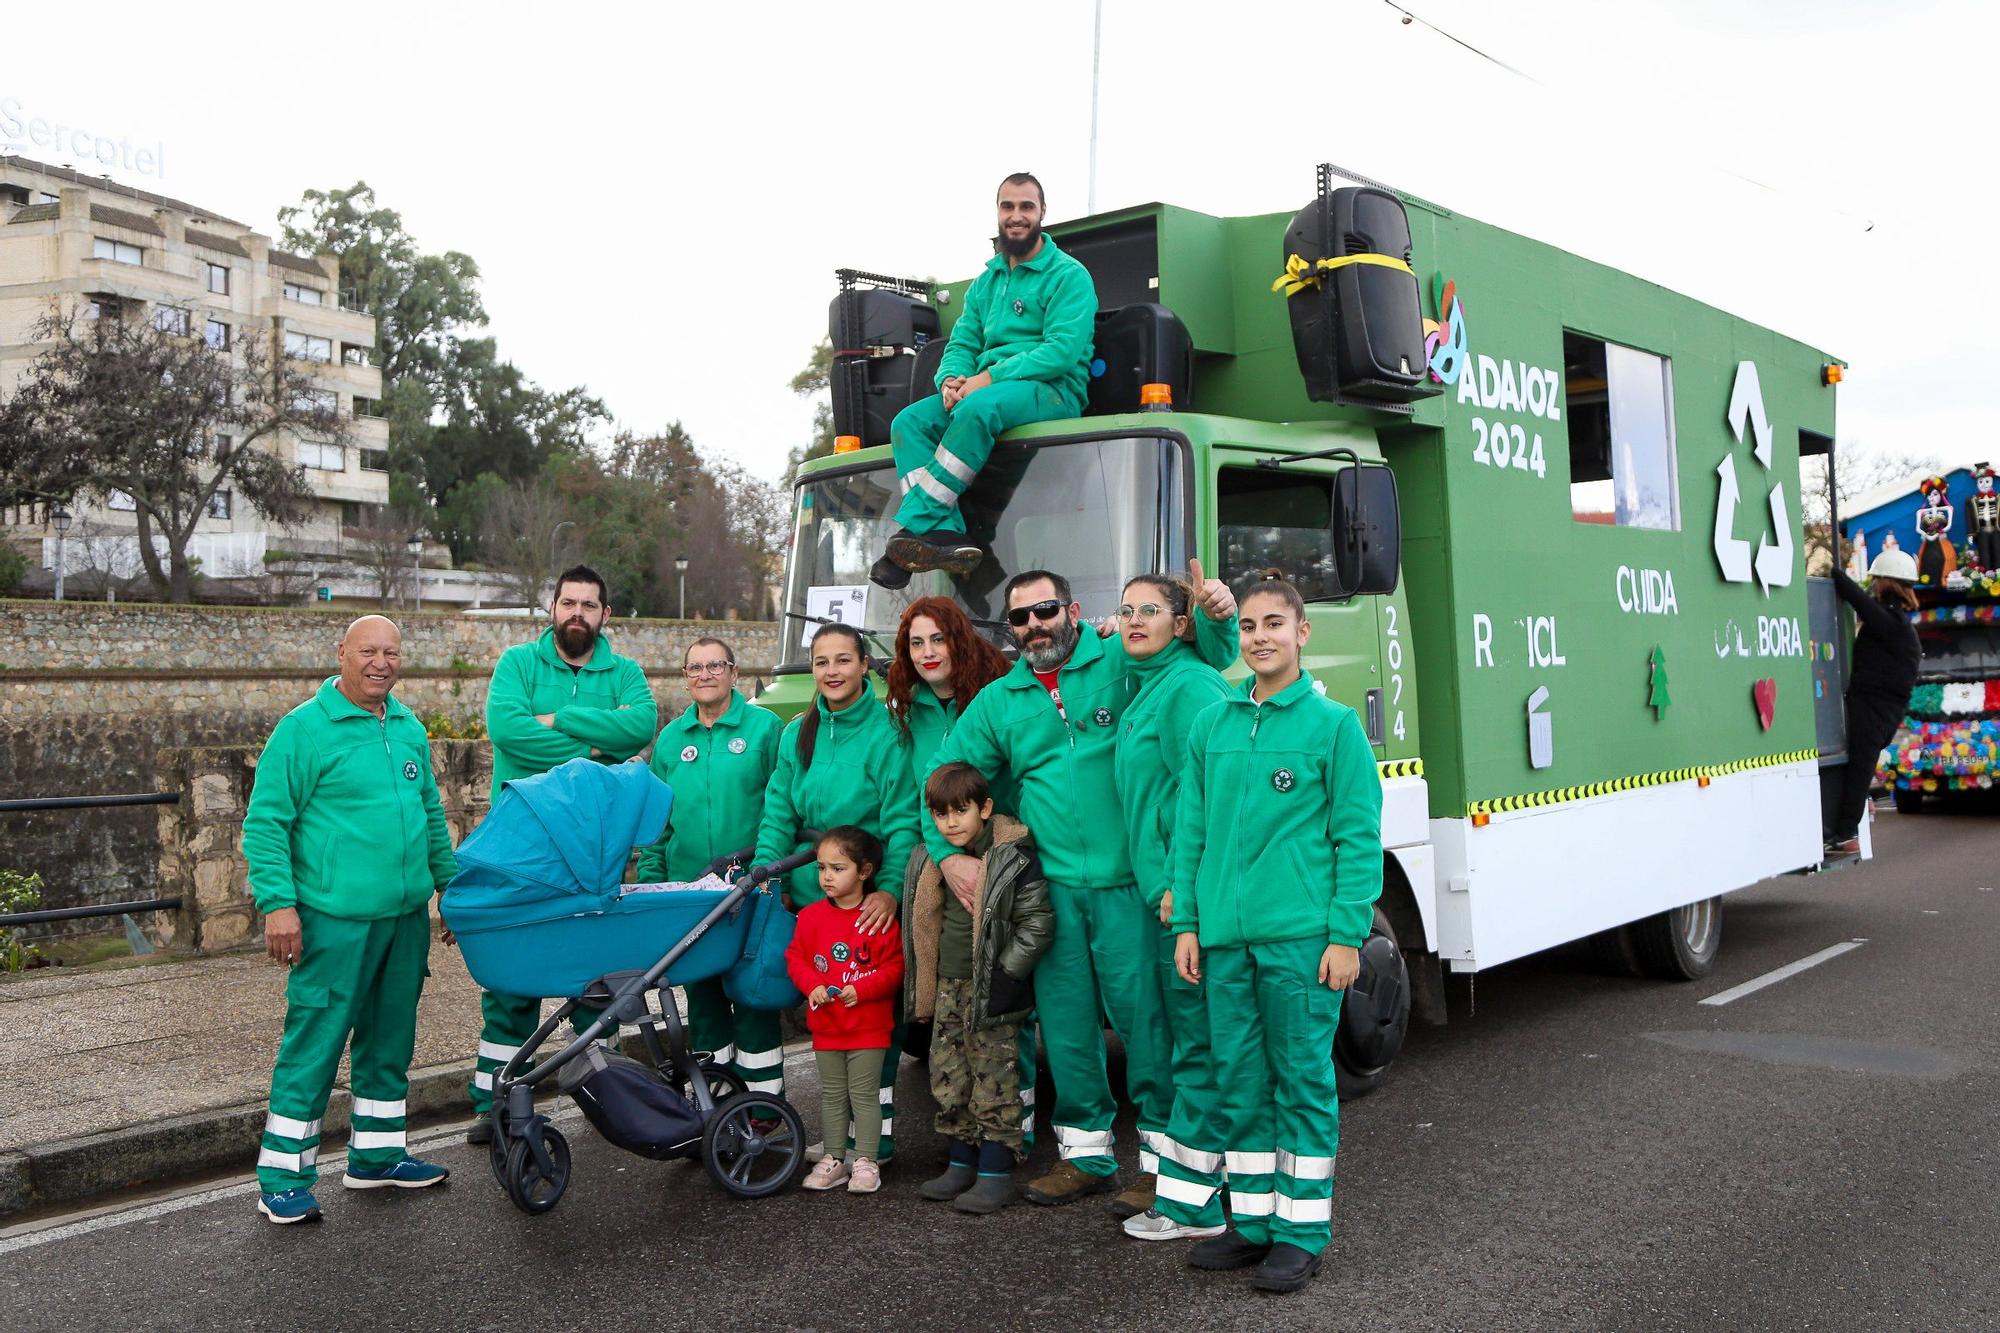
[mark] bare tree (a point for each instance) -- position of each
(1858, 471)
(380, 545)
(149, 410)
(522, 534)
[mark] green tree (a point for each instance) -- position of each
(815, 381)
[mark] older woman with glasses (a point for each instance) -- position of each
(717, 756)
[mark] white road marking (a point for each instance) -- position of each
(1788, 970)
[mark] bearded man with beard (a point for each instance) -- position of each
(1019, 353)
(1050, 726)
(563, 696)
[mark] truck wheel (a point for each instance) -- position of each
(1909, 801)
(1374, 1015)
(1679, 945)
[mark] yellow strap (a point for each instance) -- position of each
(1299, 275)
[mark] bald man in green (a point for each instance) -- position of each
(346, 842)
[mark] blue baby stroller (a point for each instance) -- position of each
(539, 909)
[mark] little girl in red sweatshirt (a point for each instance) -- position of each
(850, 981)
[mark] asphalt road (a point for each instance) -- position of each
(1575, 1151)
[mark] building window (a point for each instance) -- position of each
(170, 319)
(218, 505)
(1621, 435)
(308, 347)
(320, 401)
(218, 279)
(356, 354)
(374, 460)
(304, 295)
(44, 197)
(217, 335)
(325, 457)
(368, 407)
(117, 251)
(120, 501)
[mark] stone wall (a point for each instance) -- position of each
(92, 695)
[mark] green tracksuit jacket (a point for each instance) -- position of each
(344, 815)
(718, 775)
(1280, 823)
(605, 706)
(1175, 687)
(859, 775)
(1063, 763)
(1032, 321)
(931, 720)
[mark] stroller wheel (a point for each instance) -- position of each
(753, 1145)
(530, 1189)
(723, 1083)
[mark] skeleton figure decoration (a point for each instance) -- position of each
(1984, 518)
(1937, 559)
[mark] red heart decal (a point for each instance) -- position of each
(1764, 694)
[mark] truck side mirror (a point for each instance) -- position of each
(1367, 529)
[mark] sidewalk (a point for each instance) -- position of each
(143, 1073)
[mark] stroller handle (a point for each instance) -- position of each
(756, 876)
(722, 863)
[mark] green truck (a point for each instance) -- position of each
(1547, 514)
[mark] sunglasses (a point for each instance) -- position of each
(1148, 611)
(1048, 610)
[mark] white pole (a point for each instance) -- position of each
(1096, 52)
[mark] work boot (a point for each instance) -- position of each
(886, 573)
(1067, 1183)
(956, 1180)
(920, 552)
(481, 1131)
(1285, 1268)
(989, 1194)
(1229, 1250)
(1137, 1199)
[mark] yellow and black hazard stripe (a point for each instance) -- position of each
(1560, 795)
(1399, 768)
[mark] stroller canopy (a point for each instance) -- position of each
(556, 844)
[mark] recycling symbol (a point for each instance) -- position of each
(1773, 565)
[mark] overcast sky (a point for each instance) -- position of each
(657, 197)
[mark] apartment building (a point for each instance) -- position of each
(86, 239)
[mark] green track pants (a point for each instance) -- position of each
(939, 452)
(1276, 1098)
(1188, 1149)
(1102, 964)
(748, 1041)
(352, 978)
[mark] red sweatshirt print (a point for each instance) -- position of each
(828, 949)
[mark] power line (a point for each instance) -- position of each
(1409, 17)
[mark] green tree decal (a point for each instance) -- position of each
(1657, 698)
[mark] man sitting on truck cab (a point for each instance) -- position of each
(1019, 353)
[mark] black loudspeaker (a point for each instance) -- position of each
(1135, 345)
(1359, 332)
(877, 334)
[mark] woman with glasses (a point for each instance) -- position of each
(1175, 687)
(841, 761)
(717, 756)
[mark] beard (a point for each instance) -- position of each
(1048, 646)
(576, 638)
(1024, 247)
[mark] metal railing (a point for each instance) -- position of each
(30, 804)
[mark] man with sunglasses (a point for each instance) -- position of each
(1019, 353)
(718, 757)
(1051, 725)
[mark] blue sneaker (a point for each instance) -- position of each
(293, 1205)
(412, 1173)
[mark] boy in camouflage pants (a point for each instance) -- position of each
(968, 966)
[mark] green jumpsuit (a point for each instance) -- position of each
(606, 706)
(1279, 854)
(859, 775)
(931, 720)
(1029, 325)
(1102, 962)
(718, 774)
(345, 826)
(1175, 687)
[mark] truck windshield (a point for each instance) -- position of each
(1097, 511)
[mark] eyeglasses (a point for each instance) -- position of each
(708, 668)
(1149, 610)
(1049, 610)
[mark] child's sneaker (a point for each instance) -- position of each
(293, 1205)
(412, 1173)
(866, 1177)
(827, 1173)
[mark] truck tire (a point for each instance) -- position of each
(1909, 801)
(1679, 945)
(1374, 1015)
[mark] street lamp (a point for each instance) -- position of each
(416, 548)
(681, 568)
(61, 518)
